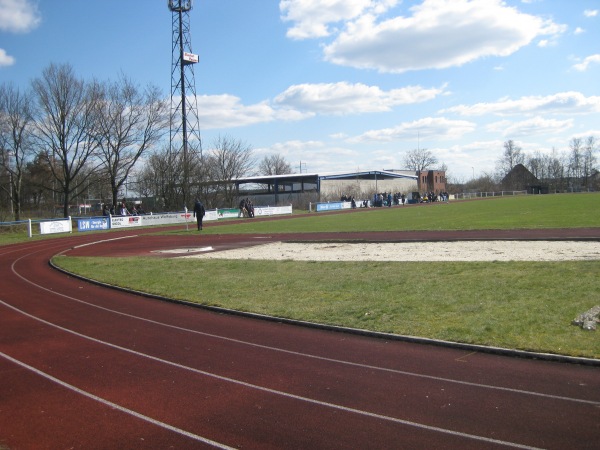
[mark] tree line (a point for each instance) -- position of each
(572, 170)
(65, 139)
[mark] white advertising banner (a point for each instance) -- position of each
(188, 216)
(272, 210)
(210, 215)
(56, 226)
(125, 221)
(190, 57)
(165, 219)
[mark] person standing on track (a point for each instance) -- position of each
(199, 213)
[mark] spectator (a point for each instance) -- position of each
(250, 207)
(124, 210)
(199, 212)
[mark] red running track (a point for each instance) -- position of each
(83, 366)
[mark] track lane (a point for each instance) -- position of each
(277, 335)
(130, 392)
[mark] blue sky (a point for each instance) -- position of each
(343, 84)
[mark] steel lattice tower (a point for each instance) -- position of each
(184, 126)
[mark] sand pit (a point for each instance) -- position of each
(416, 251)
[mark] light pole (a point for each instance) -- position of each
(184, 124)
(473, 172)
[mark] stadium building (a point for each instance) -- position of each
(302, 188)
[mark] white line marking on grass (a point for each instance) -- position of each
(185, 250)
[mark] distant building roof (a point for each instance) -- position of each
(316, 177)
(519, 178)
(367, 175)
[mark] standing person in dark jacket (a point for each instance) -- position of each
(199, 213)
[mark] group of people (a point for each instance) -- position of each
(389, 199)
(122, 210)
(429, 197)
(246, 208)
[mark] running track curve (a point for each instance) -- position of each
(85, 366)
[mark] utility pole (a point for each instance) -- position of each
(184, 123)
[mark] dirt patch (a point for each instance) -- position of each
(416, 251)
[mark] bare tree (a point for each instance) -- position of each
(129, 123)
(65, 126)
(38, 183)
(160, 178)
(575, 161)
(589, 158)
(535, 164)
(228, 160)
(512, 156)
(274, 165)
(420, 160)
(16, 122)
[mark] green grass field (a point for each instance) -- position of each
(524, 305)
(531, 212)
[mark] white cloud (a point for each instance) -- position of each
(473, 159)
(227, 111)
(345, 98)
(561, 103)
(431, 128)
(584, 135)
(312, 18)
(5, 59)
(439, 34)
(304, 101)
(590, 13)
(313, 155)
(579, 30)
(18, 16)
(583, 66)
(338, 136)
(296, 146)
(530, 127)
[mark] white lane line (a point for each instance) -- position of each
(263, 389)
(105, 240)
(316, 357)
(115, 405)
(307, 355)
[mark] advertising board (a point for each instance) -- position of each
(56, 226)
(329, 206)
(93, 224)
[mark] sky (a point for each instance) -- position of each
(343, 85)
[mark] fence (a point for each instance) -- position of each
(46, 226)
(49, 226)
(468, 195)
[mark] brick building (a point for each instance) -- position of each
(432, 181)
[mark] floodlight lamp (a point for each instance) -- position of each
(180, 5)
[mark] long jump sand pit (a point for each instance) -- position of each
(498, 250)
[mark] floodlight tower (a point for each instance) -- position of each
(184, 129)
